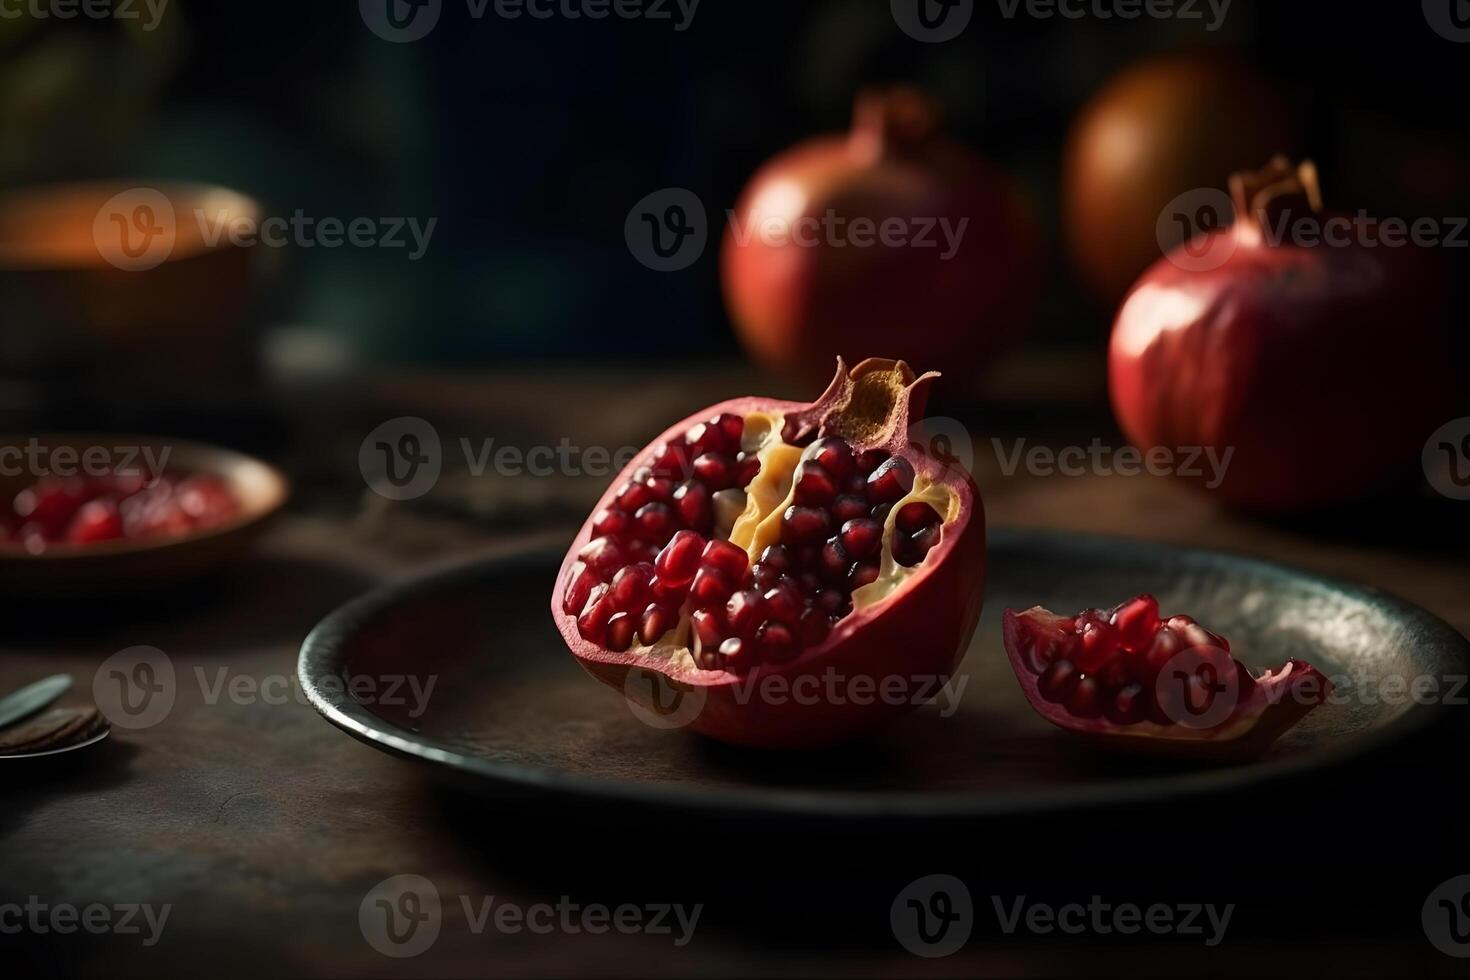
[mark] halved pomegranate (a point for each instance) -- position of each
(1166, 686)
(786, 561)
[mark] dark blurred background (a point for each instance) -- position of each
(529, 140)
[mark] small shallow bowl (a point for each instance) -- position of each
(128, 565)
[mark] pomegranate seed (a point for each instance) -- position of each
(1136, 620)
(602, 555)
(657, 620)
(50, 504)
(814, 485)
(880, 512)
(776, 642)
(642, 551)
(710, 587)
(777, 557)
(926, 538)
(1166, 646)
(1085, 701)
(610, 521)
(633, 495)
(1057, 681)
(829, 601)
(728, 559)
(692, 501)
(708, 658)
(743, 611)
(592, 624)
(891, 480)
(863, 573)
(580, 583)
(814, 627)
(808, 581)
(804, 525)
(783, 602)
(835, 456)
(707, 627)
(835, 560)
(1128, 705)
(620, 629)
(679, 560)
(914, 516)
(747, 467)
(856, 486)
(1097, 646)
(714, 470)
(655, 522)
(764, 576)
(661, 487)
(862, 536)
(735, 654)
(732, 427)
(671, 459)
(869, 459)
(98, 520)
(1115, 674)
(702, 438)
(849, 507)
(666, 594)
(631, 586)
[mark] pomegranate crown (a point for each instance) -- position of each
(871, 406)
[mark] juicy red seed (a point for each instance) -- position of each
(814, 485)
(925, 538)
(743, 611)
(891, 480)
(776, 641)
(592, 624)
(880, 512)
(1057, 681)
(1166, 645)
(643, 551)
(830, 600)
(868, 460)
(98, 520)
(726, 558)
(732, 427)
(1128, 705)
(1115, 674)
(863, 573)
(679, 560)
(1086, 699)
(776, 556)
(735, 654)
(671, 459)
(580, 583)
(915, 515)
(783, 602)
(747, 466)
(692, 501)
(835, 456)
(849, 507)
(620, 629)
(804, 525)
(808, 582)
(835, 559)
(662, 487)
(655, 521)
(709, 588)
(1098, 645)
(1136, 620)
(764, 576)
(862, 536)
(667, 594)
(611, 521)
(602, 555)
(708, 658)
(856, 486)
(631, 586)
(707, 627)
(702, 438)
(714, 470)
(657, 621)
(633, 495)
(814, 627)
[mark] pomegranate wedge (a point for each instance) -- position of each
(804, 570)
(1166, 686)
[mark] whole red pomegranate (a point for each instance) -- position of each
(797, 572)
(843, 238)
(1298, 341)
(1131, 679)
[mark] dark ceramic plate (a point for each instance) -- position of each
(512, 715)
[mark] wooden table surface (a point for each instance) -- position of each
(263, 828)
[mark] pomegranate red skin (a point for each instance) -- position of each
(919, 633)
(797, 306)
(1324, 367)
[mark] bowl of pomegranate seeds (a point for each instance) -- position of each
(89, 512)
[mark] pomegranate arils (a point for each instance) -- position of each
(804, 525)
(834, 456)
(632, 585)
(726, 558)
(776, 642)
(1085, 701)
(776, 557)
(783, 602)
(709, 587)
(657, 620)
(747, 467)
(714, 470)
(863, 573)
(849, 507)
(732, 428)
(98, 520)
(814, 626)
(671, 460)
(915, 516)
(610, 521)
(1128, 705)
(868, 460)
(707, 627)
(633, 495)
(861, 536)
(891, 481)
(743, 611)
(735, 654)
(620, 629)
(693, 503)
(579, 586)
(835, 559)
(602, 555)
(592, 624)
(814, 485)
(655, 522)
(679, 560)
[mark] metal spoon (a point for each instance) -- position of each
(32, 698)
